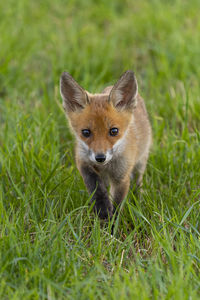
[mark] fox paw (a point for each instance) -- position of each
(104, 212)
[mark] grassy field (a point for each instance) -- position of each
(51, 244)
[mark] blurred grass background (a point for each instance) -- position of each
(51, 245)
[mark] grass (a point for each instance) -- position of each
(51, 244)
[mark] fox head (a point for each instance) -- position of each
(100, 121)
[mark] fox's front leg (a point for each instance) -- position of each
(119, 190)
(95, 184)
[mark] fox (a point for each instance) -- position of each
(113, 138)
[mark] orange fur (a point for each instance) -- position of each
(118, 107)
(99, 116)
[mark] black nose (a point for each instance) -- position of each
(100, 157)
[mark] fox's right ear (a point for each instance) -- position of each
(73, 95)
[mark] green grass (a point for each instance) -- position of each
(51, 244)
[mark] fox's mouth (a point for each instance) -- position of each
(101, 163)
(100, 159)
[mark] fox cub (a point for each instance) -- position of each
(113, 137)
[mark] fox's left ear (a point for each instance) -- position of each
(124, 93)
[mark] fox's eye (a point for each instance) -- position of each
(86, 132)
(114, 131)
